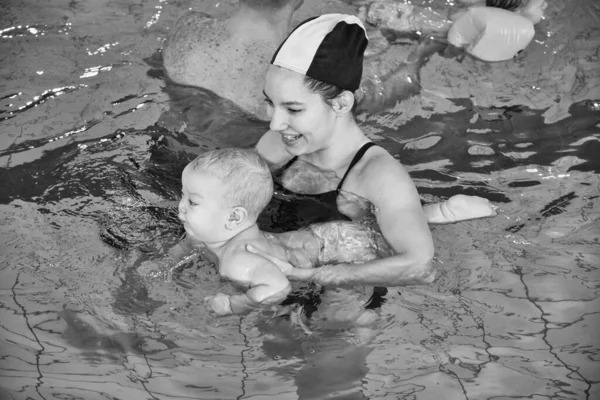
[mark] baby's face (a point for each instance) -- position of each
(202, 208)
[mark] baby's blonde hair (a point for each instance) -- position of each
(244, 173)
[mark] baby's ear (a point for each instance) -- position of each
(237, 216)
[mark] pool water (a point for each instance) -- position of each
(91, 150)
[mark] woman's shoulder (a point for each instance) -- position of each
(383, 181)
(378, 169)
(379, 164)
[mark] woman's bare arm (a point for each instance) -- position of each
(386, 184)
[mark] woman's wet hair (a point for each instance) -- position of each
(243, 172)
(327, 91)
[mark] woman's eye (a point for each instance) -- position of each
(294, 110)
(192, 203)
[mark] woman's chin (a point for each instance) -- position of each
(295, 148)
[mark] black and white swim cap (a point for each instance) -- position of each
(328, 48)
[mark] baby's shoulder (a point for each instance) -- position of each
(237, 263)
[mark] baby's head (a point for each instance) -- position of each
(223, 193)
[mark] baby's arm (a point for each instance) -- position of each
(458, 208)
(267, 284)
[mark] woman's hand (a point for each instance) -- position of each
(288, 269)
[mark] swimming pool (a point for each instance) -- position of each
(91, 149)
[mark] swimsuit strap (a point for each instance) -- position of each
(361, 152)
(288, 164)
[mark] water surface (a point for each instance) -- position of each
(91, 149)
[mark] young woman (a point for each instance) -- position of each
(330, 170)
(321, 153)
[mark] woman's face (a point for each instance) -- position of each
(306, 123)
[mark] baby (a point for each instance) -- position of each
(223, 193)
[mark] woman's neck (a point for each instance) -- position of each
(346, 140)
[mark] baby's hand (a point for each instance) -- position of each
(464, 207)
(220, 304)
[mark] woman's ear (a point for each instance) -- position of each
(343, 104)
(237, 217)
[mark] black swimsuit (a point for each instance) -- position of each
(290, 211)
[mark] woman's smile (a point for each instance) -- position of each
(290, 139)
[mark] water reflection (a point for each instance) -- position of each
(102, 49)
(35, 101)
(154, 19)
(35, 30)
(501, 295)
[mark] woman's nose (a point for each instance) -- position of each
(181, 206)
(278, 120)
